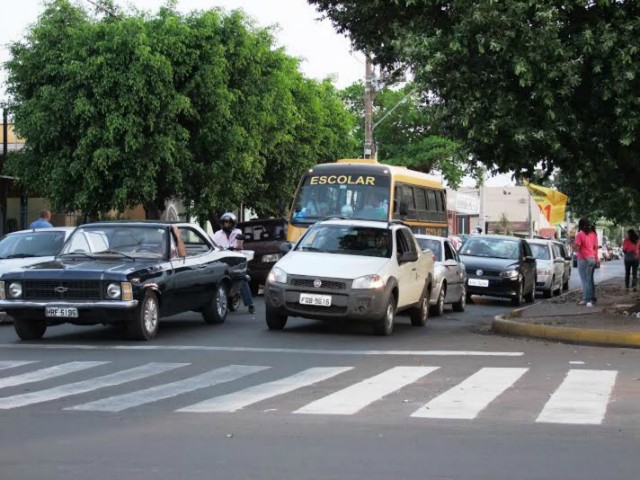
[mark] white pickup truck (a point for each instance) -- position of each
(351, 270)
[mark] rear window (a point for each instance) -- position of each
(541, 252)
(433, 245)
(263, 232)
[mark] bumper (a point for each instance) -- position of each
(352, 305)
(435, 291)
(543, 283)
(497, 287)
(89, 313)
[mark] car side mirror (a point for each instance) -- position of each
(568, 258)
(241, 237)
(286, 247)
(450, 263)
(408, 257)
(559, 260)
(529, 259)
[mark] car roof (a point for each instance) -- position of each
(359, 223)
(261, 221)
(540, 241)
(495, 237)
(138, 223)
(46, 229)
(429, 237)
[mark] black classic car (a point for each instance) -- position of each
(129, 273)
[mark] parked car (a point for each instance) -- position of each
(264, 237)
(28, 247)
(129, 273)
(449, 275)
(549, 265)
(563, 251)
(499, 266)
(351, 270)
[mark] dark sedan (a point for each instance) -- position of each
(130, 273)
(499, 266)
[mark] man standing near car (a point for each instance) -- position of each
(44, 221)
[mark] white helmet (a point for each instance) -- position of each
(228, 217)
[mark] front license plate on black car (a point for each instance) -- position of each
(317, 300)
(477, 282)
(61, 312)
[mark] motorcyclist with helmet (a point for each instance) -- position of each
(230, 237)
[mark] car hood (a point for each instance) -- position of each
(332, 265)
(85, 268)
(9, 264)
(487, 263)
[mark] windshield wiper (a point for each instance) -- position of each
(115, 252)
(21, 255)
(77, 254)
(313, 249)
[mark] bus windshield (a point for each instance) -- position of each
(363, 197)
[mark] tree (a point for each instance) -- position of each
(503, 227)
(405, 134)
(521, 84)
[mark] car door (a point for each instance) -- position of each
(558, 265)
(407, 271)
(527, 266)
(453, 272)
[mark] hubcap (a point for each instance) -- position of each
(389, 315)
(221, 301)
(463, 297)
(150, 315)
(425, 307)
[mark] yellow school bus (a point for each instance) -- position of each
(364, 189)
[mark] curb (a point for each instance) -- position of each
(586, 336)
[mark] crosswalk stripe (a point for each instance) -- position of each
(76, 388)
(213, 377)
(6, 364)
(582, 398)
(467, 399)
(237, 400)
(47, 373)
(354, 398)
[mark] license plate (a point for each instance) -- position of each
(476, 282)
(61, 312)
(316, 300)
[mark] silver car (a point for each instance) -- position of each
(449, 275)
(550, 267)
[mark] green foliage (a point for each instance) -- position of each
(405, 135)
(521, 84)
(503, 227)
(126, 109)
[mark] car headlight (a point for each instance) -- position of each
(15, 290)
(114, 291)
(277, 275)
(544, 271)
(512, 274)
(368, 282)
(271, 257)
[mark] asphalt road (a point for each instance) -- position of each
(317, 401)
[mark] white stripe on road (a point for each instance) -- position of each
(582, 398)
(469, 398)
(209, 348)
(12, 364)
(69, 389)
(47, 373)
(237, 400)
(354, 398)
(134, 399)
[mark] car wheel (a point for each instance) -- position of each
(29, 329)
(531, 296)
(549, 292)
(420, 314)
(565, 285)
(145, 326)
(517, 300)
(216, 311)
(438, 309)
(384, 326)
(234, 302)
(461, 304)
(275, 320)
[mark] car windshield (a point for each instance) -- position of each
(32, 244)
(541, 252)
(347, 240)
(263, 232)
(479, 246)
(434, 245)
(119, 240)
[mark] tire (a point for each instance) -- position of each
(438, 309)
(384, 326)
(420, 314)
(517, 300)
(275, 320)
(216, 311)
(234, 303)
(145, 325)
(461, 304)
(29, 329)
(548, 293)
(565, 286)
(531, 296)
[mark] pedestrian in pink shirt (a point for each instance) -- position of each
(586, 251)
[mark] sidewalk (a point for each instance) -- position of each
(612, 321)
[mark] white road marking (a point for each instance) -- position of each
(47, 373)
(467, 399)
(134, 399)
(238, 400)
(582, 398)
(209, 348)
(354, 398)
(12, 364)
(69, 389)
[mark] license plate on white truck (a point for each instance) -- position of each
(315, 300)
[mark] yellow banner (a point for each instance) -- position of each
(552, 203)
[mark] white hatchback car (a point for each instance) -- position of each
(354, 270)
(550, 267)
(28, 247)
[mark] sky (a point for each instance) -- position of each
(323, 52)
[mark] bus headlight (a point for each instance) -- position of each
(15, 290)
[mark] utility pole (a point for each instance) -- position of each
(369, 145)
(482, 220)
(529, 216)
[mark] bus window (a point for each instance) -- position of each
(408, 202)
(431, 195)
